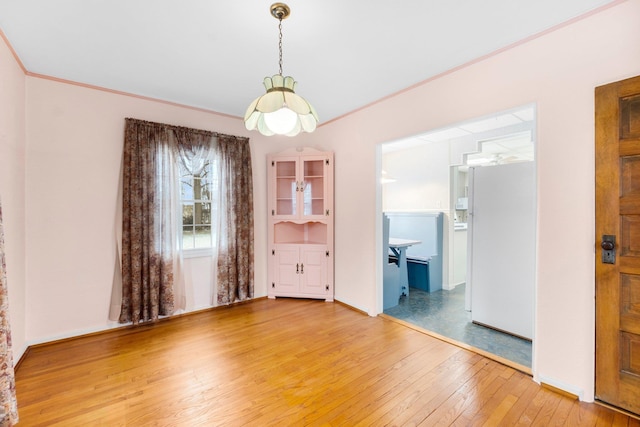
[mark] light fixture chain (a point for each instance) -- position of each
(280, 44)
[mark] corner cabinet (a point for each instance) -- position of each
(300, 222)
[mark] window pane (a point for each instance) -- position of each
(202, 213)
(201, 189)
(196, 187)
(188, 238)
(203, 236)
(187, 213)
(206, 185)
(186, 187)
(205, 190)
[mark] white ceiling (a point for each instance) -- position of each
(214, 55)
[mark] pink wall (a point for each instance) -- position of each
(558, 71)
(12, 188)
(74, 141)
(75, 138)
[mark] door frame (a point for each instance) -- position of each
(378, 303)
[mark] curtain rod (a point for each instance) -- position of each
(175, 127)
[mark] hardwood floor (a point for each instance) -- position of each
(282, 362)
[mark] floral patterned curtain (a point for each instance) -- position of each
(8, 403)
(235, 232)
(150, 258)
(148, 248)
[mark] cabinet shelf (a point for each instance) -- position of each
(299, 221)
(306, 233)
(303, 242)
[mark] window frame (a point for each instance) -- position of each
(202, 251)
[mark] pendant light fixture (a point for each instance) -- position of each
(280, 111)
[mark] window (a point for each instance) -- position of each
(198, 205)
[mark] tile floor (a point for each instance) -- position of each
(443, 312)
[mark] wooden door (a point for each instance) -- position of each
(618, 271)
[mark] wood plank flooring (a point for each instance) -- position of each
(282, 362)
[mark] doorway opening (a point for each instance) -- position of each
(433, 174)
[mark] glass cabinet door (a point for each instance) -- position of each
(286, 186)
(313, 187)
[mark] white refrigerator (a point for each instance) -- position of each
(501, 247)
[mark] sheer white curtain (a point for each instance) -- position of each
(194, 153)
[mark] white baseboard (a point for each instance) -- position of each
(75, 333)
